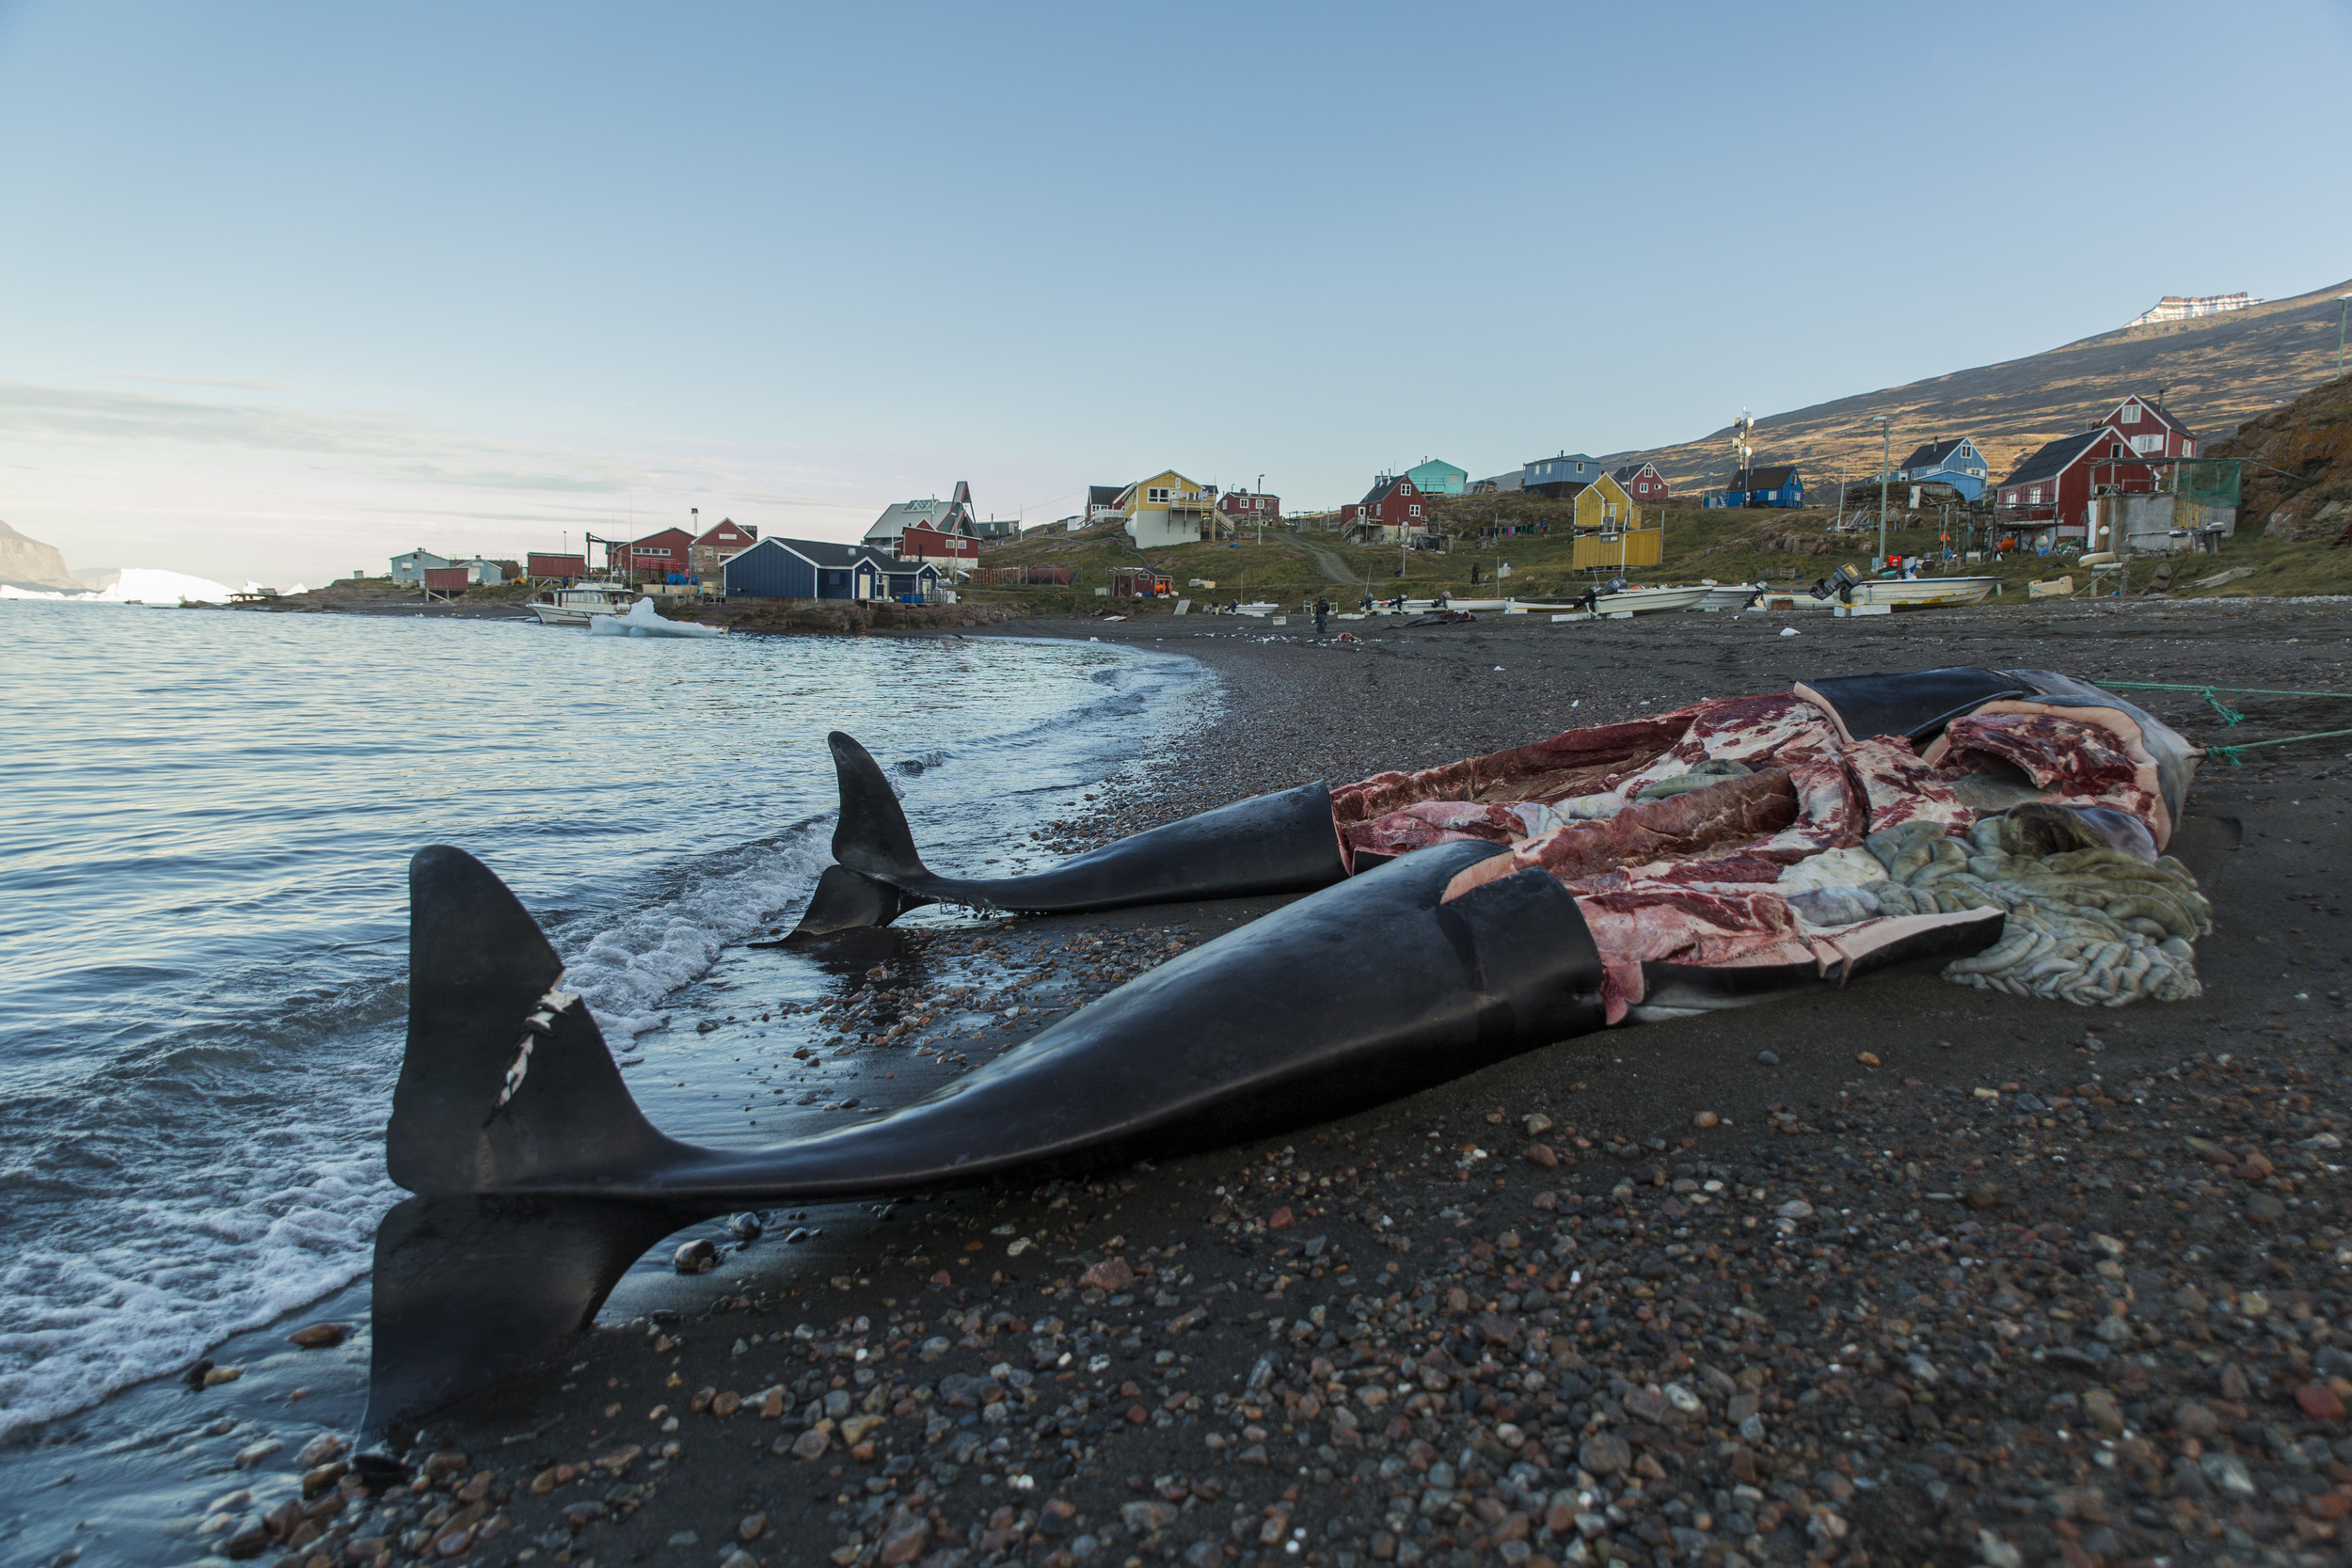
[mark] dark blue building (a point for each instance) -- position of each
(1773, 486)
(811, 569)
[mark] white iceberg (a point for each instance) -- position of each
(642, 621)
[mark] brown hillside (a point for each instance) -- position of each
(2297, 480)
(2222, 370)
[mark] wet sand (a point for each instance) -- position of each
(2068, 1277)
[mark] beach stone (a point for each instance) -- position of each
(1868, 1058)
(1111, 1274)
(319, 1450)
(1982, 1195)
(1604, 1453)
(1543, 1156)
(695, 1257)
(811, 1444)
(1706, 1118)
(2264, 1208)
(1768, 1058)
(753, 1526)
(2319, 1402)
(319, 1335)
(253, 1453)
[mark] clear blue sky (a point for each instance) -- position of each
(289, 287)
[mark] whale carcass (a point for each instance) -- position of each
(2005, 828)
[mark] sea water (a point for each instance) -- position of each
(203, 930)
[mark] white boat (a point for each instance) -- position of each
(1648, 601)
(1924, 592)
(1256, 606)
(1775, 601)
(1728, 596)
(577, 606)
(1454, 603)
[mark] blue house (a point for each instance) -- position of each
(811, 569)
(1774, 487)
(1560, 477)
(1958, 464)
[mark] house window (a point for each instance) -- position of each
(2033, 494)
(1412, 511)
(2148, 443)
(1405, 489)
(2131, 412)
(1157, 494)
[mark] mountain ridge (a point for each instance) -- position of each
(29, 564)
(2222, 371)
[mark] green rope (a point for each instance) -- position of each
(2230, 715)
(2228, 753)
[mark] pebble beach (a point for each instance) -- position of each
(1903, 1273)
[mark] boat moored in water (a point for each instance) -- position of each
(577, 606)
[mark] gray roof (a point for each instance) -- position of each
(2059, 455)
(1763, 479)
(819, 553)
(1627, 472)
(1932, 452)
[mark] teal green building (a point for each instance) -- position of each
(1435, 477)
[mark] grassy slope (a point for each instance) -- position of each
(2300, 458)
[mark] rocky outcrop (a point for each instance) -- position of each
(29, 564)
(2298, 465)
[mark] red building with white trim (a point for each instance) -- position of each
(1249, 506)
(1644, 483)
(2120, 455)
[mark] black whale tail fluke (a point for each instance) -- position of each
(872, 835)
(506, 1080)
(506, 1083)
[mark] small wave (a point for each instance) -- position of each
(624, 965)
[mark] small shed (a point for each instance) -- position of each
(1141, 582)
(561, 568)
(447, 579)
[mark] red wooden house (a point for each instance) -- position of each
(656, 554)
(1644, 483)
(1241, 507)
(1393, 509)
(2148, 431)
(720, 544)
(2118, 455)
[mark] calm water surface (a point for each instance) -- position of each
(203, 942)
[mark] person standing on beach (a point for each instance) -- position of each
(1323, 615)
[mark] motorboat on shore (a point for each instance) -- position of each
(577, 606)
(1648, 601)
(1456, 602)
(1728, 596)
(1922, 593)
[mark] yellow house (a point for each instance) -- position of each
(1604, 507)
(1169, 509)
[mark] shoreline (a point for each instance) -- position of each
(1552, 1309)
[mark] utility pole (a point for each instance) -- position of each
(1886, 478)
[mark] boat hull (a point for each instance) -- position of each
(1926, 592)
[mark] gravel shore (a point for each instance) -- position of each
(1908, 1272)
